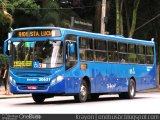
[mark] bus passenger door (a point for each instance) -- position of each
(70, 66)
(71, 54)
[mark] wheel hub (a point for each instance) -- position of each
(83, 90)
(132, 90)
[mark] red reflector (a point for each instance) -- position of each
(31, 87)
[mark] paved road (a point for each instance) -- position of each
(143, 103)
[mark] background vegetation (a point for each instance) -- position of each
(131, 18)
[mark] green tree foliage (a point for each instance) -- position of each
(65, 15)
(50, 13)
(26, 13)
(6, 20)
(134, 18)
(119, 16)
(148, 10)
(53, 12)
(85, 8)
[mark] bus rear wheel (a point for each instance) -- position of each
(38, 98)
(83, 95)
(94, 96)
(131, 91)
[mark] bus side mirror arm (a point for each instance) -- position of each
(6, 48)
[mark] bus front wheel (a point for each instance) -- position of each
(38, 98)
(83, 94)
(131, 91)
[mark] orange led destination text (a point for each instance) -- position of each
(35, 33)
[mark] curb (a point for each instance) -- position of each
(151, 90)
(14, 96)
(3, 96)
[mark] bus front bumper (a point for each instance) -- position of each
(38, 88)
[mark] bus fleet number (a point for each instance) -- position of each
(44, 79)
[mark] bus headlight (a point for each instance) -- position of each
(12, 80)
(60, 78)
(57, 79)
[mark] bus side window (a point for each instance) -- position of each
(141, 54)
(100, 53)
(86, 48)
(132, 57)
(149, 55)
(122, 49)
(112, 51)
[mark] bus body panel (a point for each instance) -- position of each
(111, 77)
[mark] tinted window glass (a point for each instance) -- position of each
(132, 56)
(86, 49)
(112, 51)
(71, 59)
(131, 48)
(140, 49)
(149, 54)
(113, 56)
(123, 58)
(86, 55)
(140, 54)
(100, 56)
(99, 44)
(122, 47)
(149, 50)
(86, 43)
(112, 46)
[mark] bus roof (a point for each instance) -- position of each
(109, 37)
(94, 35)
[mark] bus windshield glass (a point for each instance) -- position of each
(39, 54)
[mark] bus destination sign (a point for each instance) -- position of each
(36, 33)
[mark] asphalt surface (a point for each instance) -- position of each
(143, 103)
(4, 96)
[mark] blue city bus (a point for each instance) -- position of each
(52, 61)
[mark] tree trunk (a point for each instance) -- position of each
(117, 17)
(97, 21)
(134, 18)
(121, 17)
(127, 17)
(44, 3)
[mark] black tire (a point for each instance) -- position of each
(131, 91)
(94, 96)
(82, 96)
(123, 95)
(38, 98)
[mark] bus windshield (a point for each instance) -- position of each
(39, 54)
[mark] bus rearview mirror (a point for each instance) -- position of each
(7, 47)
(71, 48)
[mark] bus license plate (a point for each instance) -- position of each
(32, 87)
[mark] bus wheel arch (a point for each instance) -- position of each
(133, 78)
(131, 90)
(38, 98)
(85, 88)
(86, 78)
